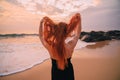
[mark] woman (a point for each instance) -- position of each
(53, 36)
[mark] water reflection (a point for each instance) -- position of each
(99, 45)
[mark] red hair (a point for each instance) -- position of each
(55, 35)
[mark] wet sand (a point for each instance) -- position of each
(100, 61)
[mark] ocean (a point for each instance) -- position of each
(19, 52)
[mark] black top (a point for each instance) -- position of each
(66, 74)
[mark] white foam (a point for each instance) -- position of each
(80, 44)
(16, 57)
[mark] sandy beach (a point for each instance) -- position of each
(100, 61)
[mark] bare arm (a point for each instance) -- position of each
(41, 34)
(44, 22)
(75, 21)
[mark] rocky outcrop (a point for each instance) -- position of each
(95, 36)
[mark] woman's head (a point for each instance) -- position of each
(62, 30)
(56, 32)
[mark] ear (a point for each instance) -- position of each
(74, 22)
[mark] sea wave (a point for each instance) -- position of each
(19, 54)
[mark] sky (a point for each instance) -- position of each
(104, 17)
(23, 16)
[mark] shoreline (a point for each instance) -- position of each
(96, 65)
(22, 70)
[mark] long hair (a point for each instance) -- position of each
(55, 35)
(59, 45)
